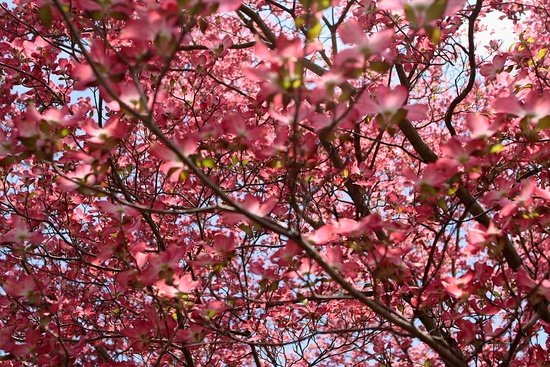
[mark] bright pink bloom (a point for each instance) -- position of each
(432, 178)
(423, 12)
(178, 285)
(173, 166)
(113, 129)
(534, 106)
(490, 70)
(224, 5)
(254, 206)
(21, 233)
(352, 33)
(84, 174)
(529, 285)
(458, 287)
(480, 126)
(386, 102)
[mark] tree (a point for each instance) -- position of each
(274, 183)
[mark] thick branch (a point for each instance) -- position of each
(472, 61)
(255, 17)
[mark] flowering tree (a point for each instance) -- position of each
(273, 183)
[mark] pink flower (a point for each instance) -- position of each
(468, 331)
(179, 285)
(389, 261)
(224, 244)
(25, 287)
(525, 197)
(194, 334)
(387, 103)
(158, 27)
(173, 166)
(116, 209)
(383, 102)
(458, 287)
(31, 48)
(140, 334)
(423, 12)
(253, 205)
(114, 129)
(130, 97)
(109, 66)
(224, 5)
(480, 126)
(235, 124)
(490, 70)
(285, 255)
(352, 33)
(21, 233)
(84, 174)
(164, 265)
(459, 156)
(479, 236)
(351, 60)
(287, 49)
(528, 285)
(335, 258)
(213, 310)
(430, 180)
(534, 106)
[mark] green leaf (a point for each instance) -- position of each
(29, 142)
(381, 121)
(314, 31)
(409, 13)
(263, 285)
(524, 124)
(544, 123)
(26, 154)
(379, 66)
(436, 10)
(300, 21)
(275, 164)
(427, 363)
(7, 161)
(45, 15)
(211, 314)
(323, 4)
(209, 163)
(542, 53)
(97, 15)
(399, 116)
(496, 148)
(171, 171)
(183, 176)
(119, 15)
(273, 286)
(64, 132)
(246, 229)
(203, 25)
(428, 190)
(442, 204)
(434, 33)
(452, 190)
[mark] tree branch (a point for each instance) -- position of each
(472, 61)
